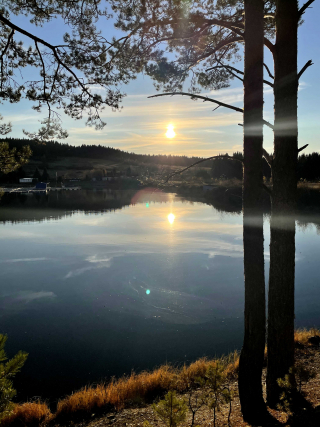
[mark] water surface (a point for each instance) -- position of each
(99, 284)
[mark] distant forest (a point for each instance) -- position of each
(308, 164)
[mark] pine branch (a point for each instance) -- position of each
(268, 124)
(201, 161)
(50, 46)
(304, 7)
(302, 148)
(204, 98)
(231, 69)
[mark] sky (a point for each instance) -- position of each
(142, 123)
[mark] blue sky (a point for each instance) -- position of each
(141, 125)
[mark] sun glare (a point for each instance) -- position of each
(171, 218)
(170, 132)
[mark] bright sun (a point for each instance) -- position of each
(170, 132)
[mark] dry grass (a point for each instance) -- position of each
(146, 385)
(28, 414)
(302, 335)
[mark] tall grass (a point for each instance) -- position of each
(28, 414)
(146, 385)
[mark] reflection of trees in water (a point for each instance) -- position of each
(55, 205)
(58, 205)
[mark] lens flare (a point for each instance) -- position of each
(148, 291)
(171, 218)
(170, 132)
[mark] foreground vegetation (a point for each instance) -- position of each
(203, 379)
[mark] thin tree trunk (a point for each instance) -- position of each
(252, 353)
(282, 239)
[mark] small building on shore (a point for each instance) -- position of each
(25, 180)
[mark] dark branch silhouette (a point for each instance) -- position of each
(204, 98)
(201, 161)
(231, 69)
(268, 71)
(304, 7)
(303, 69)
(302, 148)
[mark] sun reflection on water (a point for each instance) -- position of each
(171, 217)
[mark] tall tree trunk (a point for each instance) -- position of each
(252, 353)
(282, 243)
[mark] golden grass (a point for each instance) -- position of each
(302, 335)
(144, 385)
(28, 414)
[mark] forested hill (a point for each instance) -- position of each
(308, 164)
(52, 150)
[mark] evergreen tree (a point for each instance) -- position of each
(37, 175)
(45, 176)
(67, 73)
(11, 159)
(8, 369)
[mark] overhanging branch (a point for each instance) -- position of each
(204, 98)
(201, 161)
(302, 148)
(304, 7)
(268, 124)
(50, 46)
(231, 69)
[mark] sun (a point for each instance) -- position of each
(170, 132)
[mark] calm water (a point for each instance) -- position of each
(96, 284)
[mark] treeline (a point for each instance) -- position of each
(308, 164)
(308, 167)
(51, 150)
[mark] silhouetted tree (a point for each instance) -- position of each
(45, 176)
(37, 175)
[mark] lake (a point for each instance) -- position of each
(100, 283)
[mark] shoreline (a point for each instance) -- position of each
(131, 394)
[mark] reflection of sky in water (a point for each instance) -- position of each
(130, 289)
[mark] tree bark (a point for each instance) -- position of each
(282, 239)
(252, 354)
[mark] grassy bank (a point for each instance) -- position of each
(134, 390)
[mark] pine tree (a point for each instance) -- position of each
(8, 369)
(45, 176)
(171, 410)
